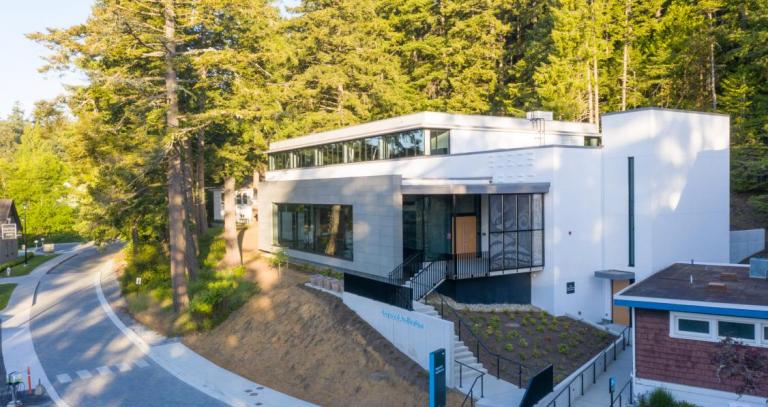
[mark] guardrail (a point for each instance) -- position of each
(631, 397)
(471, 393)
(379, 289)
(428, 278)
(514, 370)
(407, 269)
(602, 359)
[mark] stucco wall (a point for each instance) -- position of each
(682, 187)
(376, 216)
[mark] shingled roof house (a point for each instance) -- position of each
(9, 248)
(681, 314)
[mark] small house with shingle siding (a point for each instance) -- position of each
(9, 248)
(681, 314)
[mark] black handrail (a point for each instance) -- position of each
(624, 337)
(619, 397)
(471, 388)
(480, 345)
(428, 278)
(407, 269)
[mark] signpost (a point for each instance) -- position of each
(8, 231)
(437, 390)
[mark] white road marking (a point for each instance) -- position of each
(84, 374)
(123, 367)
(104, 370)
(140, 363)
(63, 378)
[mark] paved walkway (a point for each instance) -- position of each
(597, 395)
(84, 355)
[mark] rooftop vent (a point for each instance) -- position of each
(716, 286)
(758, 267)
(538, 115)
(728, 277)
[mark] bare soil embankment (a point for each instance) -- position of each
(310, 345)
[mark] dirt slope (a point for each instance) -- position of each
(309, 345)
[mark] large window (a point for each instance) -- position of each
(405, 144)
(280, 161)
(714, 328)
(319, 229)
(439, 142)
(409, 143)
(516, 231)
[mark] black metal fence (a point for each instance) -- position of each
(379, 290)
(470, 265)
(407, 269)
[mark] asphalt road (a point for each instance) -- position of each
(89, 361)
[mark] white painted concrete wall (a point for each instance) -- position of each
(681, 197)
(682, 188)
(244, 212)
(745, 243)
(413, 333)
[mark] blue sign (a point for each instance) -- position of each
(437, 389)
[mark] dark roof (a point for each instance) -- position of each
(674, 283)
(8, 210)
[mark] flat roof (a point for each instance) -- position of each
(734, 292)
(433, 120)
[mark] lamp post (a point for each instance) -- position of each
(24, 231)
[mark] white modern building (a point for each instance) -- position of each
(504, 210)
(243, 205)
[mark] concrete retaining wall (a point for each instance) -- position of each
(745, 243)
(413, 333)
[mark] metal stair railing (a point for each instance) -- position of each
(428, 278)
(471, 393)
(509, 375)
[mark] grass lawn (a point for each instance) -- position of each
(5, 294)
(537, 339)
(20, 269)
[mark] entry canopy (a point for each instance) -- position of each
(615, 274)
(467, 187)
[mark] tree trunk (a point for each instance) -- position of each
(232, 255)
(201, 210)
(597, 89)
(176, 215)
(135, 236)
(591, 105)
(712, 63)
(190, 230)
(625, 61)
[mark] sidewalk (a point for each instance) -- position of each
(17, 347)
(597, 395)
(185, 364)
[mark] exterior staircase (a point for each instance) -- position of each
(461, 353)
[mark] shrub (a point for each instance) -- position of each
(536, 354)
(215, 297)
(279, 260)
(661, 398)
(563, 335)
(523, 343)
(150, 263)
(540, 328)
(509, 347)
(489, 331)
(563, 349)
(329, 272)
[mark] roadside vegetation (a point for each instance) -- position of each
(216, 292)
(534, 338)
(19, 269)
(5, 294)
(661, 398)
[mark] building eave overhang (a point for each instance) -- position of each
(694, 307)
(473, 188)
(615, 274)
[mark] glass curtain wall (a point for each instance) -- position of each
(516, 225)
(319, 229)
(427, 225)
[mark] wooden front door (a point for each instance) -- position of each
(465, 234)
(620, 314)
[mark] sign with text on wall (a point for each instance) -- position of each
(437, 389)
(8, 231)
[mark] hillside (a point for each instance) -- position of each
(310, 345)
